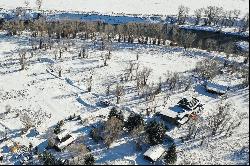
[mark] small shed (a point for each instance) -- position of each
(154, 153)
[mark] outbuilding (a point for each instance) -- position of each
(64, 139)
(154, 153)
(216, 88)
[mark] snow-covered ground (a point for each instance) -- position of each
(38, 88)
(162, 7)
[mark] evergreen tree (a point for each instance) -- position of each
(155, 132)
(89, 160)
(114, 112)
(171, 155)
(134, 120)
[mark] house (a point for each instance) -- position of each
(216, 88)
(189, 106)
(189, 103)
(154, 153)
(64, 139)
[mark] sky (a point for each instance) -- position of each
(164, 7)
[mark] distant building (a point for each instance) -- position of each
(154, 153)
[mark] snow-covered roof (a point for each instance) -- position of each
(66, 143)
(61, 135)
(201, 28)
(155, 152)
(181, 115)
(183, 121)
(169, 113)
(243, 45)
(215, 87)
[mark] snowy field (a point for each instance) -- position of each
(162, 7)
(38, 88)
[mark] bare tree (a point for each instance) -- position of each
(245, 25)
(222, 121)
(105, 59)
(119, 92)
(212, 13)
(39, 4)
(32, 119)
(84, 52)
(26, 3)
(112, 130)
(108, 89)
(187, 39)
(230, 16)
(172, 80)
(142, 79)
(182, 14)
(198, 14)
(27, 121)
(89, 83)
(145, 73)
(137, 56)
(22, 59)
(207, 68)
(130, 69)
